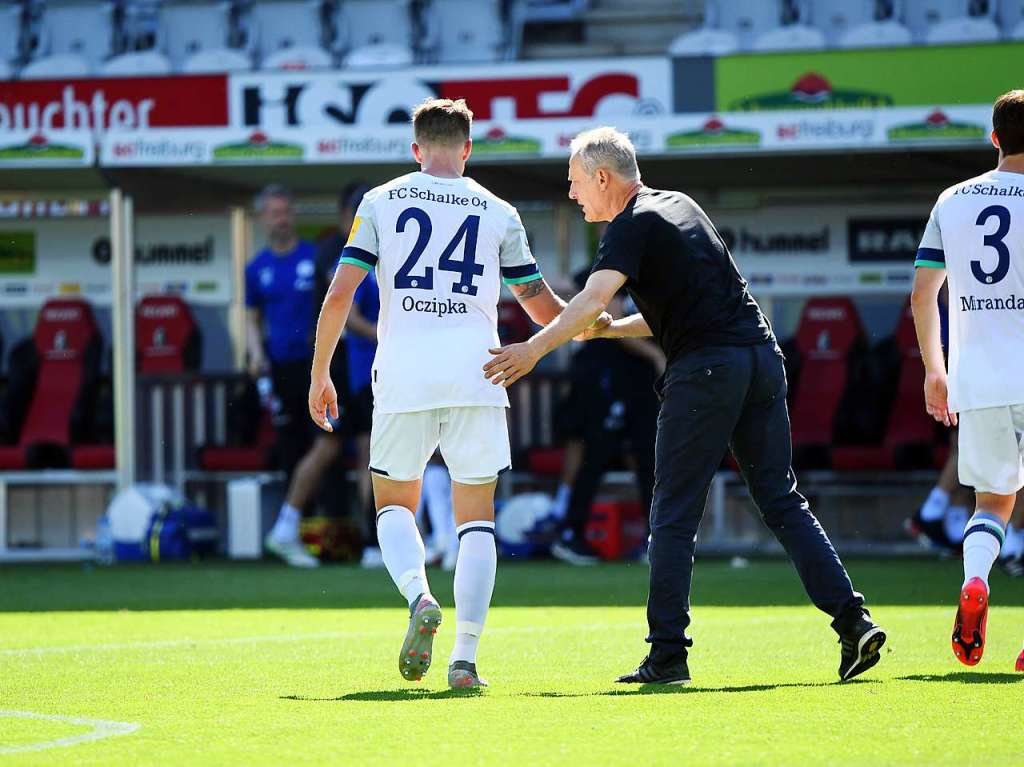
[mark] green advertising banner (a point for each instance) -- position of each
(861, 79)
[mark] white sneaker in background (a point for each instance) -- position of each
(372, 558)
(294, 553)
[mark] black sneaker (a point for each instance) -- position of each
(860, 647)
(574, 552)
(676, 672)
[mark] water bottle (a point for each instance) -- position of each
(104, 541)
(266, 389)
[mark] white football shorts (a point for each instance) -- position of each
(992, 449)
(474, 443)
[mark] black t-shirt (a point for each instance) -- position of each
(680, 274)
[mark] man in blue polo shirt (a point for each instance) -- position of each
(279, 284)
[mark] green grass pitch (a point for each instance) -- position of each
(261, 665)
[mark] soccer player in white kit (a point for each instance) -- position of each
(441, 246)
(975, 239)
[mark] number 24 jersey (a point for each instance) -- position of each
(441, 248)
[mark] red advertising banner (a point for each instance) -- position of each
(124, 103)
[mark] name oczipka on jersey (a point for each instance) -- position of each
(975, 304)
(433, 306)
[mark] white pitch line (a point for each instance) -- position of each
(171, 643)
(101, 729)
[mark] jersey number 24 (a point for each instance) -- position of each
(467, 268)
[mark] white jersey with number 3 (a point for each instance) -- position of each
(976, 232)
(441, 248)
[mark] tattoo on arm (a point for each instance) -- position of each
(530, 289)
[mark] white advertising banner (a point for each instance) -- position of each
(788, 250)
(188, 256)
(548, 139)
(53, 149)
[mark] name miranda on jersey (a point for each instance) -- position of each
(448, 198)
(975, 304)
(433, 306)
(990, 190)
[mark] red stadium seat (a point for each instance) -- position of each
(828, 331)
(910, 432)
(166, 336)
(67, 343)
(255, 457)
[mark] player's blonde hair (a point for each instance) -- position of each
(605, 148)
(442, 122)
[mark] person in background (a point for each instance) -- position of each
(279, 283)
(617, 416)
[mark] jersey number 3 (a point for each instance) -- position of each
(467, 268)
(995, 241)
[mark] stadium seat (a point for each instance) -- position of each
(56, 67)
(828, 331)
(1011, 18)
(67, 347)
(380, 55)
(77, 28)
(910, 433)
(295, 25)
(463, 31)
(219, 60)
(10, 36)
(920, 15)
(962, 30)
(544, 11)
(299, 57)
(251, 434)
(729, 25)
(187, 29)
(837, 17)
(792, 37)
(361, 24)
(167, 339)
(876, 34)
(748, 21)
(137, 63)
(704, 42)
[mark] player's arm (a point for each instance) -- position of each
(538, 300)
(323, 398)
(510, 363)
(930, 274)
(633, 326)
(254, 342)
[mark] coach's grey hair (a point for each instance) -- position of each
(279, 191)
(606, 148)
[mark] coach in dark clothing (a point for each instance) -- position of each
(724, 388)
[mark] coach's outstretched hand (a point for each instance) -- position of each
(597, 328)
(323, 400)
(511, 363)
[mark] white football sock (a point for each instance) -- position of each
(474, 583)
(437, 492)
(955, 522)
(286, 527)
(935, 505)
(402, 549)
(982, 539)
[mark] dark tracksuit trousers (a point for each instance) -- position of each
(714, 399)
